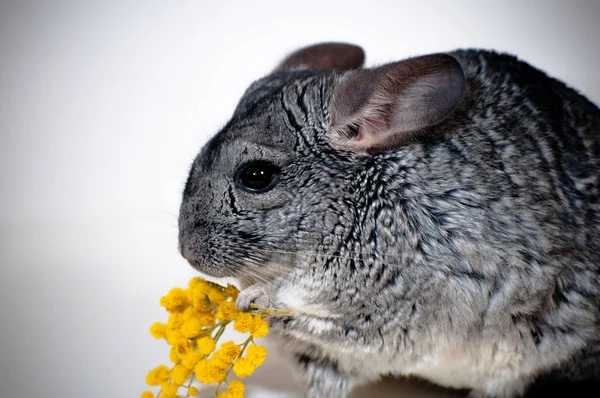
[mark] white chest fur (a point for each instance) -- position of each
(496, 368)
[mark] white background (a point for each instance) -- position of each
(103, 105)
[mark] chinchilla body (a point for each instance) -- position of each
(435, 217)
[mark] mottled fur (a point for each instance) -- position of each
(468, 255)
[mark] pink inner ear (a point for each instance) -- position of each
(325, 56)
(391, 103)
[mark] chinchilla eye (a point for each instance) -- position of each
(258, 176)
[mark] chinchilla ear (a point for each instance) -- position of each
(325, 56)
(382, 108)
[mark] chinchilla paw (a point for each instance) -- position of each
(256, 294)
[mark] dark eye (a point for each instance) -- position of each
(258, 176)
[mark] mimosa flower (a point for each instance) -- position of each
(243, 322)
(198, 316)
(243, 367)
(176, 300)
(158, 375)
(205, 346)
(256, 354)
(260, 328)
(227, 311)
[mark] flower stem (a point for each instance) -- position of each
(266, 312)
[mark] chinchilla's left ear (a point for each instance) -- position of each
(325, 56)
(381, 108)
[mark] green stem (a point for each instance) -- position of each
(187, 394)
(266, 312)
(221, 330)
(243, 348)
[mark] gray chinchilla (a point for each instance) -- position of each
(435, 217)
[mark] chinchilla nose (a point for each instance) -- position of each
(193, 244)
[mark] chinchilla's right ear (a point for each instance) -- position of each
(382, 108)
(324, 56)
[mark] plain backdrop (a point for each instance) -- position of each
(104, 104)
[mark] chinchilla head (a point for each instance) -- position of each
(285, 184)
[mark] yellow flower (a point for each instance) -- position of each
(243, 322)
(227, 311)
(243, 367)
(190, 313)
(236, 389)
(232, 291)
(226, 354)
(207, 319)
(175, 321)
(192, 328)
(260, 328)
(176, 300)
(174, 337)
(158, 330)
(206, 372)
(190, 359)
(158, 375)
(174, 355)
(179, 374)
(198, 284)
(179, 343)
(215, 296)
(205, 346)
(169, 388)
(256, 354)
(198, 316)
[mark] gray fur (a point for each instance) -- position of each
(468, 256)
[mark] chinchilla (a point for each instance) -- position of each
(436, 217)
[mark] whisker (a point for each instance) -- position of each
(327, 255)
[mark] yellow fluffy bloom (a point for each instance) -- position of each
(256, 354)
(176, 300)
(206, 372)
(191, 328)
(232, 291)
(207, 319)
(227, 311)
(198, 284)
(192, 391)
(243, 367)
(190, 359)
(236, 389)
(158, 375)
(175, 321)
(190, 313)
(179, 374)
(216, 296)
(174, 336)
(158, 330)
(224, 394)
(226, 354)
(147, 394)
(260, 328)
(174, 355)
(179, 343)
(243, 322)
(169, 388)
(205, 346)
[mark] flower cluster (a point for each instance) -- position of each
(198, 316)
